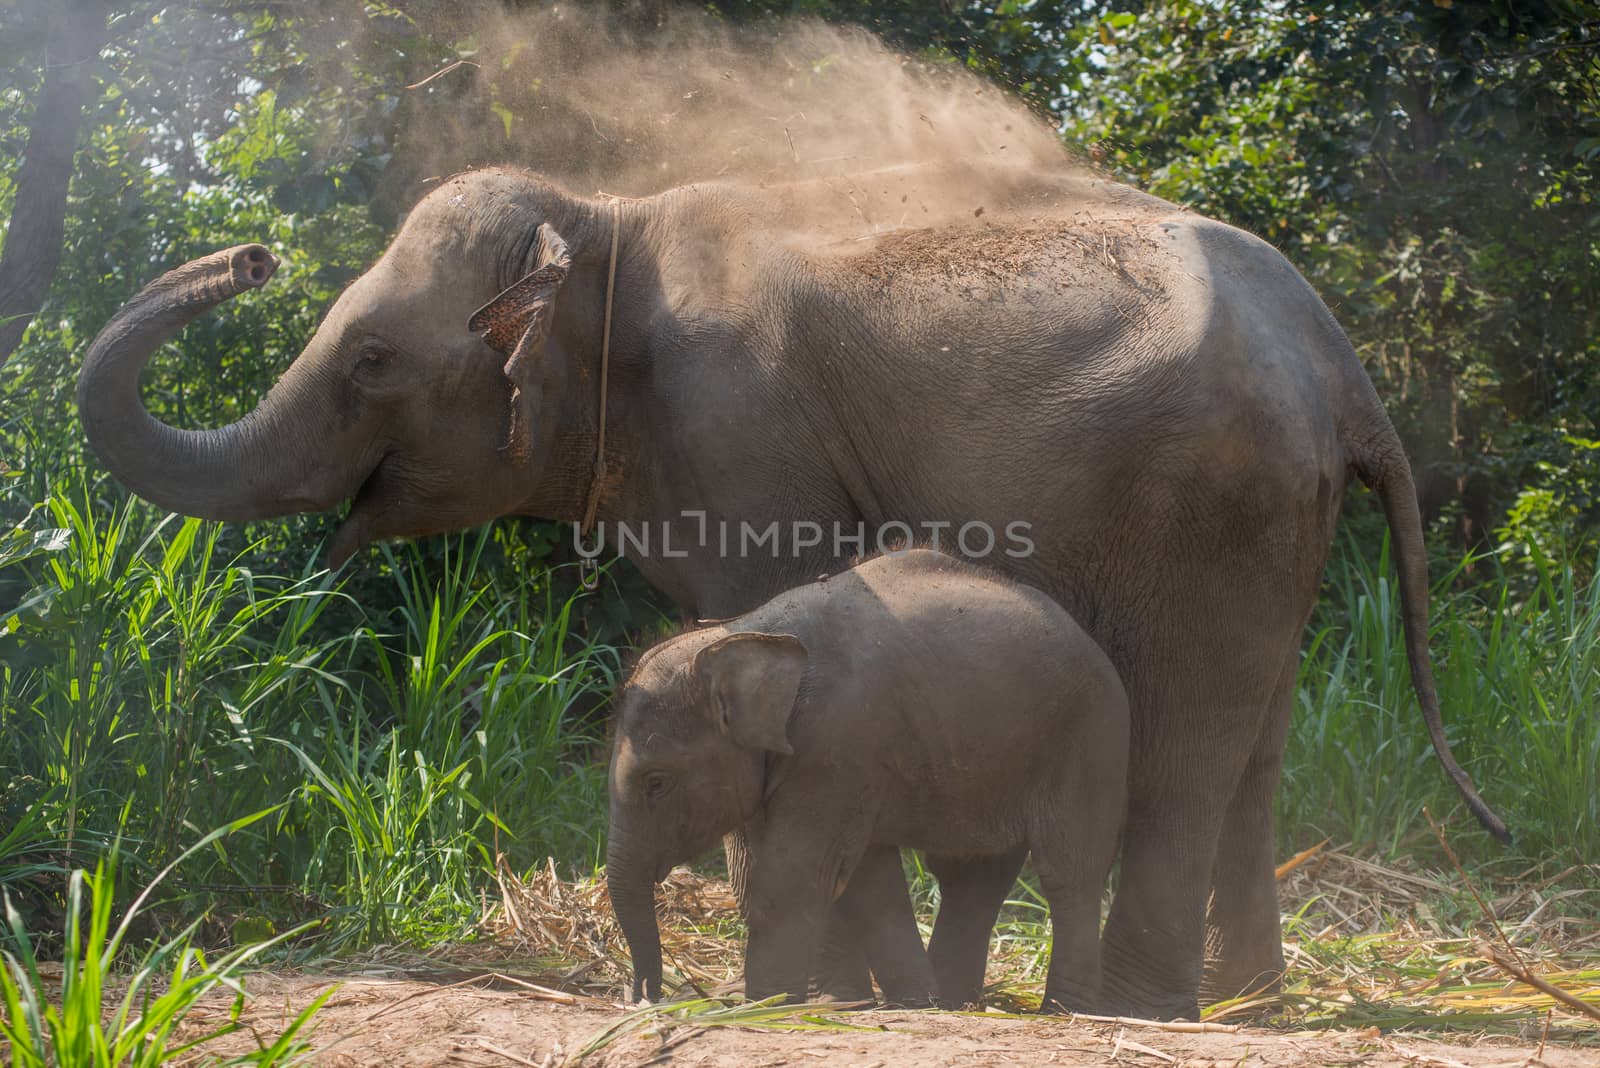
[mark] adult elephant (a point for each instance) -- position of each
(1161, 397)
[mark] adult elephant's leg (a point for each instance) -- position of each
(737, 849)
(1154, 938)
(1244, 944)
(1198, 706)
(971, 891)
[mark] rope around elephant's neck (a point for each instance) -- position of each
(589, 569)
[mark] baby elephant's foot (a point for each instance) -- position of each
(842, 1002)
(903, 999)
(1068, 1002)
(968, 998)
(842, 972)
(832, 991)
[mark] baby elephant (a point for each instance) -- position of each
(912, 701)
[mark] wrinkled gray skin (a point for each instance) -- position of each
(914, 700)
(1162, 397)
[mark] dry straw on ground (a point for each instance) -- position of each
(1368, 945)
(545, 917)
(1377, 952)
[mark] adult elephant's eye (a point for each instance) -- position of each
(656, 785)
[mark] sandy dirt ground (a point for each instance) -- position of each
(394, 1023)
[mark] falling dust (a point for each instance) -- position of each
(845, 136)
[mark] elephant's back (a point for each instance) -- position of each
(950, 623)
(975, 670)
(1049, 258)
(1062, 364)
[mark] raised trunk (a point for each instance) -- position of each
(267, 464)
(631, 885)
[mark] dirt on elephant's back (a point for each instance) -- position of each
(1081, 249)
(393, 1023)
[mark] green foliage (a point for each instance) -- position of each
(1557, 516)
(143, 669)
(44, 1025)
(1428, 166)
(1519, 680)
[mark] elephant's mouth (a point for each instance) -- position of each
(359, 526)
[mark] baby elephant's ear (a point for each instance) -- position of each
(752, 680)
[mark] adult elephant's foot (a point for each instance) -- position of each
(1151, 970)
(1244, 943)
(1125, 995)
(1155, 936)
(1244, 946)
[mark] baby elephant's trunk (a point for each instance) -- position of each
(630, 880)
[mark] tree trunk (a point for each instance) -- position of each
(76, 31)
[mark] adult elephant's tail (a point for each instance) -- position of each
(1380, 462)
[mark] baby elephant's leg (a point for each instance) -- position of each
(878, 911)
(1073, 984)
(1073, 849)
(799, 862)
(842, 970)
(971, 891)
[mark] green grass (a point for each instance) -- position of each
(155, 683)
(114, 1006)
(1517, 658)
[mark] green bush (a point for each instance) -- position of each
(143, 669)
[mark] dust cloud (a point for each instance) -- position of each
(847, 135)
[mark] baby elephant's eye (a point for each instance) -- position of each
(374, 355)
(656, 785)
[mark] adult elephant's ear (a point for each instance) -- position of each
(517, 322)
(752, 681)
